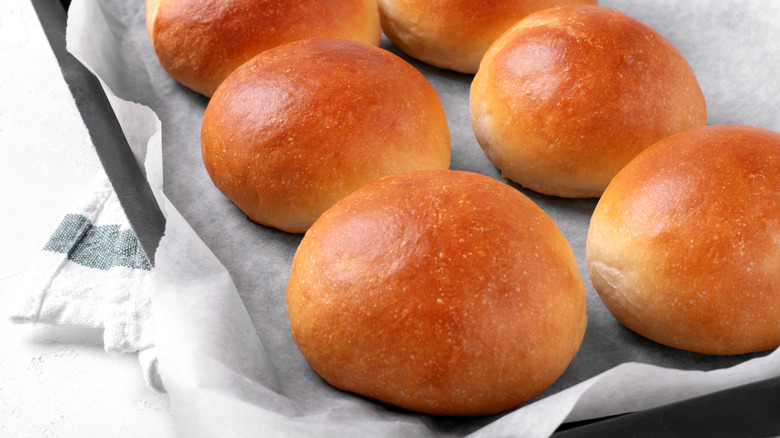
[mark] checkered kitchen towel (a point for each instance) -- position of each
(93, 273)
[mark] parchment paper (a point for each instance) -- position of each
(226, 355)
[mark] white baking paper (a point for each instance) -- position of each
(226, 356)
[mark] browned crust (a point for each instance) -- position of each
(300, 126)
(570, 95)
(199, 42)
(455, 34)
(444, 292)
(684, 246)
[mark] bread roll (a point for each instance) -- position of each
(455, 34)
(300, 126)
(199, 42)
(570, 95)
(444, 292)
(684, 246)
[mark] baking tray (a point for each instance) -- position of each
(751, 410)
(126, 176)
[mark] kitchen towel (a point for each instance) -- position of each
(92, 272)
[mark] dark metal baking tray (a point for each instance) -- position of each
(126, 176)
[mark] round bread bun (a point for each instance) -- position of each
(443, 292)
(302, 125)
(570, 95)
(455, 34)
(684, 246)
(200, 42)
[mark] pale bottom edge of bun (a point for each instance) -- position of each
(553, 190)
(613, 289)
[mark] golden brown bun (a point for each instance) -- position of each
(455, 34)
(445, 292)
(570, 95)
(199, 42)
(300, 126)
(684, 246)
